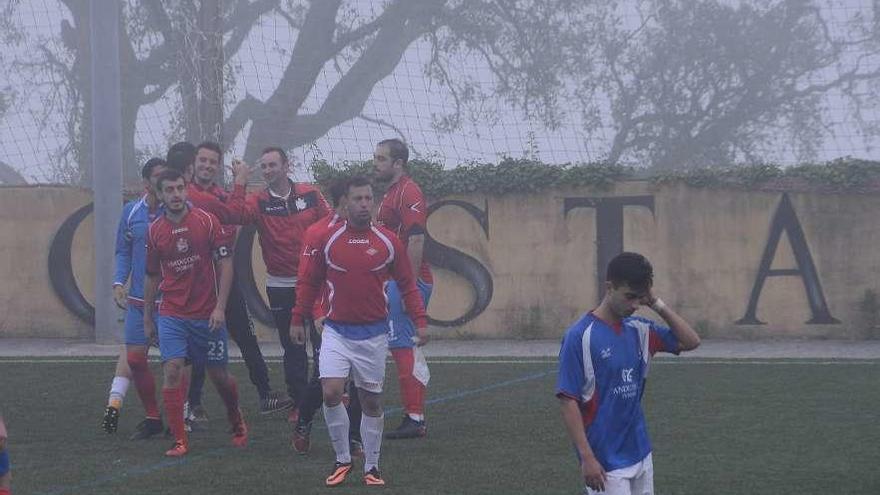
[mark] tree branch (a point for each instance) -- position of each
(246, 110)
(241, 21)
(346, 100)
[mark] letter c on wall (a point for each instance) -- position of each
(61, 267)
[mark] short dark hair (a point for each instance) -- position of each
(210, 145)
(356, 181)
(152, 163)
(631, 269)
(180, 156)
(337, 189)
(397, 149)
(277, 150)
(167, 175)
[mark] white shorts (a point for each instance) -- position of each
(365, 359)
(637, 479)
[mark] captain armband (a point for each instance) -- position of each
(222, 252)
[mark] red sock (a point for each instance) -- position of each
(174, 412)
(229, 393)
(412, 392)
(144, 382)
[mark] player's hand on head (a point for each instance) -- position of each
(217, 319)
(650, 298)
(593, 473)
(120, 296)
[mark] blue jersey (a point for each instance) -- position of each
(131, 246)
(604, 369)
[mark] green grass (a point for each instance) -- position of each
(718, 428)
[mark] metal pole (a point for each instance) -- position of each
(106, 158)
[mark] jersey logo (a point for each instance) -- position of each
(415, 207)
(300, 204)
(605, 353)
(310, 252)
(372, 251)
(182, 245)
(627, 375)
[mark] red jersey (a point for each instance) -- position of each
(354, 265)
(322, 306)
(216, 201)
(282, 223)
(405, 212)
(183, 253)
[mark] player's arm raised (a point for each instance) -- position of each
(244, 209)
(688, 339)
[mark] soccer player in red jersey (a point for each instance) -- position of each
(186, 248)
(404, 211)
(200, 166)
(354, 260)
(282, 212)
(301, 438)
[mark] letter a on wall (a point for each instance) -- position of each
(785, 220)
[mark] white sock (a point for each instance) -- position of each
(117, 391)
(371, 434)
(416, 417)
(336, 418)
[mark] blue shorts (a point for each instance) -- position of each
(4, 462)
(401, 329)
(182, 338)
(134, 326)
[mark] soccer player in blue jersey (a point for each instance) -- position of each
(130, 264)
(603, 366)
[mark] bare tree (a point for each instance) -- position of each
(714, 83)
(693, 82)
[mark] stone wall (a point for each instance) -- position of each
(737, 264)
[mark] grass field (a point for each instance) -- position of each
(718, 427)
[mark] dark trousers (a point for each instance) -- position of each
(241, 329)
(296, 361)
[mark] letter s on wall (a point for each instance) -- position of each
(471, 269)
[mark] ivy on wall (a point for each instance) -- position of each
(527, 176)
